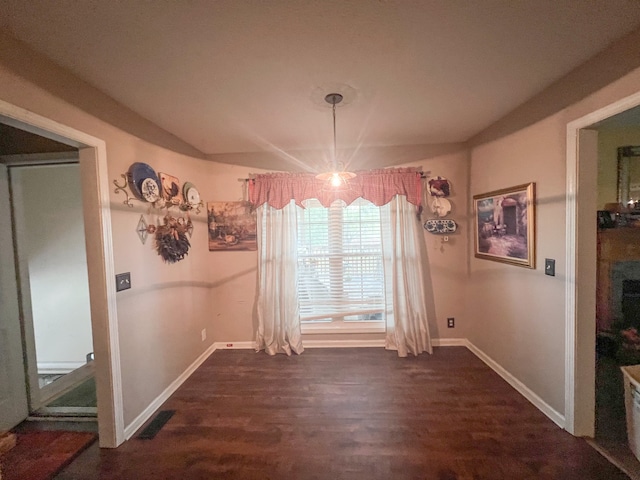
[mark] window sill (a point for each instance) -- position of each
(343, 327)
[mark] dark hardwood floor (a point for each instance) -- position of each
(348, 414)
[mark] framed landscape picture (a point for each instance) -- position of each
(505, 225)
(232, 226)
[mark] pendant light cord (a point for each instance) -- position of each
(334, 99)
(335, 155)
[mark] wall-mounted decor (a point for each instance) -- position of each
(439, 187)
(171, 191)
(161, 191)
(172, 243)
(191, 194)
(143, 182)
(629, 176)
(440, 226)
(142, 229)
(505, 225)
(232, 226)
(441, 206)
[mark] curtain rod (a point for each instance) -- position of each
(423, 175)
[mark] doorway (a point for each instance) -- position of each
(618, 284)
(91, 156)
(581, 235)
(53, 285)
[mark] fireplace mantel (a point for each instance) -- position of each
(614, 246)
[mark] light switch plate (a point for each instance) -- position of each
(123, 281)
(550, 267)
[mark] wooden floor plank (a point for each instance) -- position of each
(349, 414)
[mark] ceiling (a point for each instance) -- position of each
(232, 77)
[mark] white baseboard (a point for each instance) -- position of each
(342, 343)
(525, 391)
(449, 342)
(153, 406)
(235, 345)
(436, 342)
(306, 344)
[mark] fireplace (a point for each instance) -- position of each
(630, 303)
(625, 293)
(618, 262)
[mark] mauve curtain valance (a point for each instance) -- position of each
(377, 186)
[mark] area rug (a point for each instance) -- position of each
(41, 455)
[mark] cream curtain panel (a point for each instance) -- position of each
(406, 310)
(277, 309)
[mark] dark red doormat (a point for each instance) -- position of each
(41, 455)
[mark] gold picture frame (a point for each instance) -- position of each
(505, 225)
(232, 226)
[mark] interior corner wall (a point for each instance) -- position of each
(518, 314)
(161, 317)
(446, 262)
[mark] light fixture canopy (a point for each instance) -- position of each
(338, 178)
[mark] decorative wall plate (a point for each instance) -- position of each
(440, 226)
(139, 172)
(439, 187)
(191, 194)
(150, 190)
(441, 206)
(171, 189)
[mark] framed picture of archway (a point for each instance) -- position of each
(505, 225)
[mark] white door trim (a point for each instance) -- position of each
(97, 218)
(579, 386)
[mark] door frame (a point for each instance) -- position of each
(580, 285)
(100, 264)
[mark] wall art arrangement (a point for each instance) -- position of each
(232, 226)
(161, 191)
(439, 189)
(505, 225)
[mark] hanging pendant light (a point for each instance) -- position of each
(338, 178)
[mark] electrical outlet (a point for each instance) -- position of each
(204, 334)
(451, 322)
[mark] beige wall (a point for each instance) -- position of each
(517, 314)
(446, 263)
(608, 142)
(161, 317)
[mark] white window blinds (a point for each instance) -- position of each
(340, 266)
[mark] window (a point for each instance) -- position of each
(340, 267)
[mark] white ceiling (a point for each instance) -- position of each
(234, 76)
